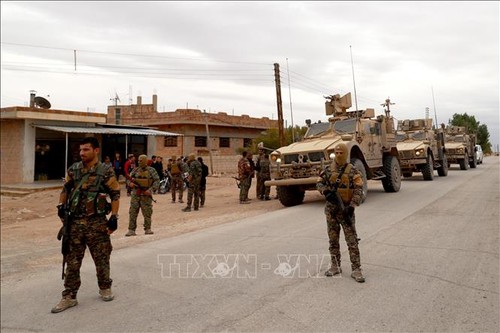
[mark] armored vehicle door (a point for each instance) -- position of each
(372, 145)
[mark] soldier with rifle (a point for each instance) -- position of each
(83, 206)
(144, 180)
(342, 185)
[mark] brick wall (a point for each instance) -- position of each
(12, 136)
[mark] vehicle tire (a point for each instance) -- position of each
(407, 174)
(428, 169)
(473, 163)
(358, 164)
(464, 163)
(392, 180)
(443, 169)
(290, 195)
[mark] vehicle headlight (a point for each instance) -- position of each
(419, 152)
(460, 150)
(278, 160)
(332, 156)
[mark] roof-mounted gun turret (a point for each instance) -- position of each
(336, 105)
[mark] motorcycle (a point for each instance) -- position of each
(165, 183)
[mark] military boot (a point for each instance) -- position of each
(65, 303)
(358, 275)
(334, 270)
(187, 209)
(106, 294)
(130, 233)
(148, 232)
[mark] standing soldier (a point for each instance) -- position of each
(244, 176)
(260, 185)
(176, 170)
(84, 199)
(264, 174)
(203, 181)
(194, 183)
(129, 166)
(144, 180)
(342, 185)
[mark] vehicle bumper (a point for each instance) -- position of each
(292, 181)
(411, 163)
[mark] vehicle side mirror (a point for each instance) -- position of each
(475, 148)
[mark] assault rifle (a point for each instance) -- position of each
(64, 233)
(141, 187)
(333, 196)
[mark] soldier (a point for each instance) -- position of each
(263, 174)
(342, 177)
(129, 166)
(176, 170)
(84, 197)
(194, 183)
(260, 185)
(144, 181)
(244, 175)
(203, 181)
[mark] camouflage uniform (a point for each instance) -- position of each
(139, 200)
(203, 181)
(244, 175)
(263, 174)
(194, 184)
(88, 228)
(259, 189)
(351, 190)
(176, 169)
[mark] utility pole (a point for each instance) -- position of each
(279, 104)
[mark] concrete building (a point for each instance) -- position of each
(40, 144)
(217, 137)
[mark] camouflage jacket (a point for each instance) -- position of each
(148, 175)
(244, 168)
(194, 171)
(350, 187)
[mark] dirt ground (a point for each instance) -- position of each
(29, 224)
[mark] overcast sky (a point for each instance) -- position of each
(219, 56)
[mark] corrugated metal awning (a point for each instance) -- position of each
(107, 130)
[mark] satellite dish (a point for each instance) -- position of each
(42, 102)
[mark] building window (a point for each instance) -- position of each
(118, 116)
(247, 143)
(224, 142)
(170, 141)
(200, 141)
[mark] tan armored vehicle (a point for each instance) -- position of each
(460, 147)
(371, 143)
(421, 149)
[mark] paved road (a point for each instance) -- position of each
(430, 255)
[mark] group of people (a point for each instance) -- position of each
(83, 207)
(249, 169)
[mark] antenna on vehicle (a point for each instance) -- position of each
(434, 103)
(355, 95)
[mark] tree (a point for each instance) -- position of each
(270, 137)
(473, 127)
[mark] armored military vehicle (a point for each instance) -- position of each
(460, 147)
(421, 149)
(371, 144)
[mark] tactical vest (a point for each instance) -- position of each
(142, 177)
(89, 196)
(175, 170)
(346, 186)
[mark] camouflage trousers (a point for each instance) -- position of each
(145, 204)
(194, 193)
(177, 186)
(202, 196)
(245, 184)
(263, 190)
(91, 233)
(334, 220)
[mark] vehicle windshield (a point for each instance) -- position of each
(401, 136)
(316, 129)
(345, 126)
(458, 138)
(418, 135)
